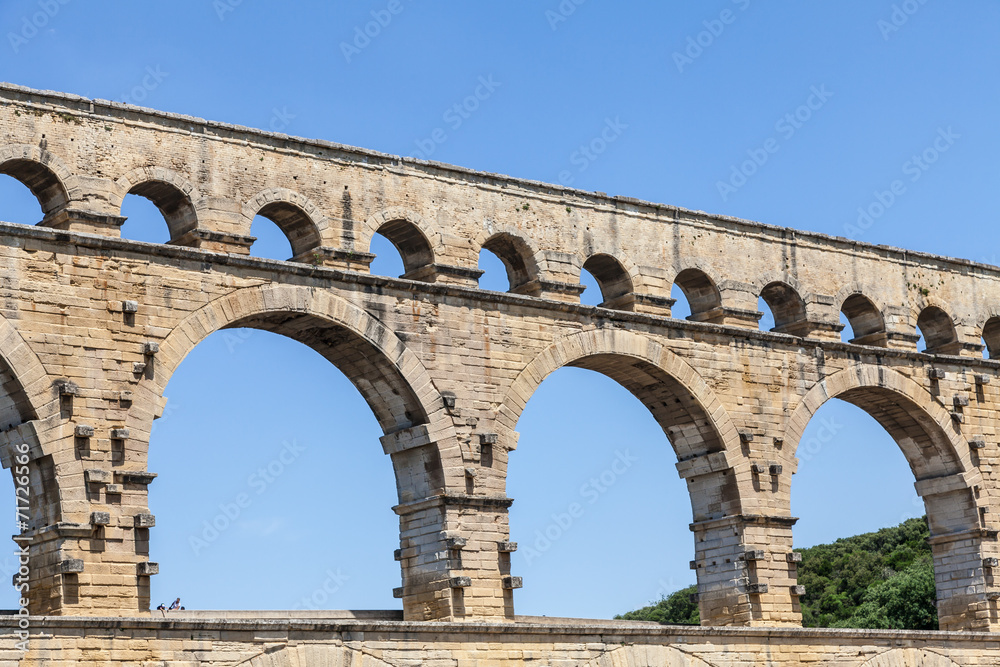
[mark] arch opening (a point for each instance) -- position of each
(614, 282)
(270, 474)
(20, 205)
(607, 467)
(865, 323)
(847, 577)
(296, 225)
(175, 206)
(516, 257)
(413, 247)
(269, 240)
(41, 181)
(938, 331)
(700, 292)
(945, 479)
(991, 338)
(788, 310)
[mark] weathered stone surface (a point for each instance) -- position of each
(94, 326)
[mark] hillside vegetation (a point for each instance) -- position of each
(883, 580)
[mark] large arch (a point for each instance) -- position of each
(941, 462)
(390, 377)
(41, 172)
(692, 417)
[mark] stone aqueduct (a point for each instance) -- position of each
(92, 327)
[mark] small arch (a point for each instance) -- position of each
(866, 321)
(991, 337)
(414, 248)
(170, 192)
(42, 181)
(787, 307)
(701, 292)
(296, 216)
(517, 258)
(938, 331)
(613, 280)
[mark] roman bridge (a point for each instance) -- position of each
(93, 326)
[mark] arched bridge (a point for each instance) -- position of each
(93, 326)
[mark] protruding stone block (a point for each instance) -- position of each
(455, 542)
(119, 434)
(936, 374)
(794, 557)
(756, 589)
(488, 438)
(397, 593)
(71, 566)
(506, 547)
(138, 368)
(775, 469)
(798, 590)
(83, 431)
(960, 401)
(397, 555)
(130, 306)
(97, 476)
(759, 469)
(114, 489)
(100, 518)
(147, 569)
(144, 520)
(67, 388)
(511, 583)
(753, 554)
(150, 349)
(991, 562)
(981, 379)
(977, 443)
(460, 582)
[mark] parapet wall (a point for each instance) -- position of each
(313, 642)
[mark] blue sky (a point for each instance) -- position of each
(696, 90)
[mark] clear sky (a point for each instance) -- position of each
(694, 90)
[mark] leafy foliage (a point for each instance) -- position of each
(883, 579)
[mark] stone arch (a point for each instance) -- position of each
(683, 404)
(990, 332)
(41, 172)
(702, 293)
(616, 282)
(175, 196)
(389, 376)
(648, 656)
(938, 329)
(299, 219)
(910, 657)
(787, 306)
(407, 231)
(941, 463)
(866, 319)
(518, 257)
(308, 655)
